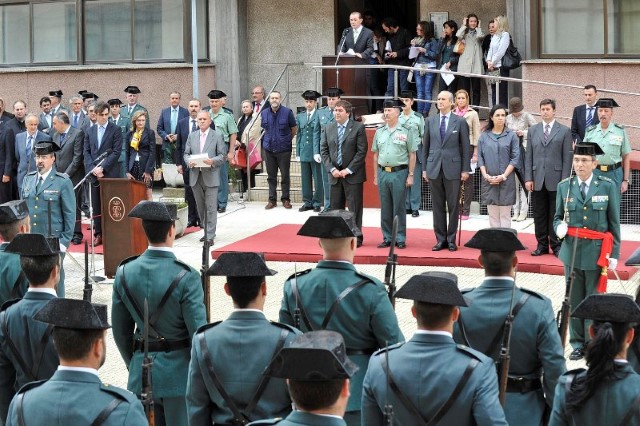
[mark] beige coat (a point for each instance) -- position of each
(471, 59)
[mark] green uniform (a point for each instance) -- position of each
(615, 144)
(246, 336)
(226, 126)
(75, 397)
(599, 211)
(365, 317)
(13, 283)
(609, 404)
(33, 344)
(536, 351)
(124, 113)
(150, 276)
(325, 116)
(415, 122)
(124, 124)
(308, 146)
(393, 147)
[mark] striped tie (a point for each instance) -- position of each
(340, 140)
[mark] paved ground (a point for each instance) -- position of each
(244, 219)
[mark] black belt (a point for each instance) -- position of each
(393, 169)
(352, 352)
(522, 385)
(163, 345)
(609, 167)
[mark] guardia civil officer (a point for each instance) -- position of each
(26, 349)
(51, 201)
(227, 381)
(537, 358)
(335, 296)
(176, 309)
(14, 220)
(608, 392)
(308, 150)
(430, 377)
(414, 121)
(318, 372)
(75, 395)
(633, 356)
(587, 208)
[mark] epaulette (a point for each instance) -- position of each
(389, 348)
(62, 175)
(8, 303)
(372, 279)
(31, 385)
(567, 179)
(286, 327)
(299, 274)
(127, 260)
(588, 129)
(575, 372)
(417, 114)
(531, 292)
(207, 326)
(605, 178)
(620, 126)
(266, 422)
(469, 351)
(184, 265)
(32, 173)
(119, 392)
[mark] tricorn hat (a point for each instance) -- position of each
(44, 148)
(334, 92)
(393, 103)
(56, 93)
(606, 103)
(608, 307)
(496, 239)
(33, 245)
(13, 211)
(588, 148)
(115, 101)
(407, 94)
(74, 314)
(311, 95)
(430, 287)
(216, 94)
(240, 264)
(134, 90)
(155, 211)
(332, 224)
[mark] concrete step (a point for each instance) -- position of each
(295, 178)
(261, 193)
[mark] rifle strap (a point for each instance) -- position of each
(37, 359)
(14, 349)
(106, 412)
(463, 331)
(415, 413)
(299, 305)
(456, 393)
(341, 296)
(633, 410)
(19, 409)
(15, 290)
(494, 346)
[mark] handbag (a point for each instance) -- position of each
(458, 48)
(511, 59)
(239, 160)
(494, 73)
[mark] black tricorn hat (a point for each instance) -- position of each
(74, 314)
(155, 211)
(332, 224)
(430, 287)
(606, 103)
(44, 148)
(407, 94)
(610, 307)
(334, 92)
(114, 101)
(240, 264)
(89, 95)
(56, 93)
(393, 103)
(311, 95)
(82, 92)
(633, 260)
(216, 94)
(588, 148)
(132, 89)
(13, 211)
(314, 356)
(33, 245)
(496, 239)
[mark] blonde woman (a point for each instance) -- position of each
(471, 59)
(249, 129)
(462, 109)
(497, 49)
(140, 156)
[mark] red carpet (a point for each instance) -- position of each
(281, 243)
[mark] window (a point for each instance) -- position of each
(107, 32)
(16, 39)
(54, 32)
(157, 33)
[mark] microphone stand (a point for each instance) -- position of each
(344, 39)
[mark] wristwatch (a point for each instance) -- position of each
(628, 181)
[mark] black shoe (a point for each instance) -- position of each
(408, 211)
(401, 245)
(415, 213)
(192, 224)
(539, 252)
(384, 244)
(76, 240)
(326, 209)
(577, 354)
(305, 207)
(316, 209)
(453, 247)
(222, 209)
(439, 246)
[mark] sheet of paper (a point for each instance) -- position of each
(349, 52)
(447, 77)
(414, 52)
(199, 160)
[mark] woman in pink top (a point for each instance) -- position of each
(473, 121)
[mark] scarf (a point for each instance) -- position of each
(135, 140)
(461, 112)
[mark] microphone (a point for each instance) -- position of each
(103, 156)
(346, 30)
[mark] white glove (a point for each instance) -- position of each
(297, 158)
(613, 263)
(561, 229)
(317, 158)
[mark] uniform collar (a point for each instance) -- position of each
(79, 369)
(42, 291)
(588, 181)
(434, 333)
(336, 264)
(46, 175)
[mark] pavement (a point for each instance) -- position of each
(243, 219)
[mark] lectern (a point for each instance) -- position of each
(352, 80)
(123, 236)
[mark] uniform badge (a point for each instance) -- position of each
(51, 191)
(599, 198)
(400, 137)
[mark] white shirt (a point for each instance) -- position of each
(42, 290)
(45, 175)
(167, 249)
(356, 33)
(550, 124)
(81, 369)
(435, 333)
(587, 182)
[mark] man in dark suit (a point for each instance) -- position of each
(45, 119)
(24, 147)
(357, 38)
(548, 161)
(69, 160)
(101, 138)
(205, 181)
(124, 125)
(259, 95)
(4, 115)
(346, 170)
(167, 124)
(584, 115)
(11, 128)
(446, 159)
(77, 117)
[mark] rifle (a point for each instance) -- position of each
(147, 364)
(564, 314)
(505, 351)
(392, 261)
(460, 212)
(297, 313)
(205, 267)
(88, 287)
(387, 419)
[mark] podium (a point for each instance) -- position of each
(353, 81)
(123, 236)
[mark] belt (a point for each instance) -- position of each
(163, 345)
(389, 169)
(609, 167)
(352, 352)
(522, 385)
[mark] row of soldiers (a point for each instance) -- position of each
(351, 365)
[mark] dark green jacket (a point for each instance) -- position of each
(13, 285)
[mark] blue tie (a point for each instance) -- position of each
(443, 127)
(75, 120)
(583, 189)
(174, 120)
(340, 140)
(193, 125)
(29, 146)
(100, 135)
(589, 117)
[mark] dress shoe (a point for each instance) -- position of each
(286, 204)
(453, 247)
(516, 215)
(305, 207)
(384, 244)
(97, 240)
(401, 245)
(439, 246)
(76, 240)
(539, 252)
(415, 213)
(222, 209)
(577, 354)
(326, 209)
(408, 211)
(522, 217)
(192, 224)
(316, 209)
(270, 205)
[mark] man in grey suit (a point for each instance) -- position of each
(346, 170)
(70, 161)
(357, 37)
(548, 160)
(204, 181)
(446, 159)
(46, 116)
(25, 144)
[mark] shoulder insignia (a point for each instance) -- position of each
(288, 327)
(118, 392)
(567, 179)
(299, 274)
(416, 113)
(184, 265)
(390, 348)
(32, 173)
(31, 385)
(619, 126)
(469, 351)
(531, 292)
(467, 290)
(8, 303)
(60, 174)
(207, 326)
(605, 178)
(592, 127)
(367, 277)
(266, 422)
(127, 260)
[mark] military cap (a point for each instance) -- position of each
(393, 103)
(611, 307)
(132, 89)
(332, 224)
(408, 94)
(33, 245)
(606, 103)
(13, 211)
(633, 260)
(434, 288)
(314, 356)
(216, 94)
(45, 148)
(74, 314)
(56, 93)
(311, 95)
(114, 101)
(334, 92)
(82, 92)
(155, 211)
(496, 239)
(240, 264)
(587, 148)
(89, 95)
(442, 274)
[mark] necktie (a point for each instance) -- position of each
(39, 184)
(203, 139)
(547, 129)
(589, 117)
(308, 117)
(257, 107)
(48, 118)
(174, 120)
(340, 140)
(100, 135)
(129, 108)
(193, 126)
(75, 120)
(355, 36)
(583, 189)
(29, 146)
(443, 127)
(62, 135)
